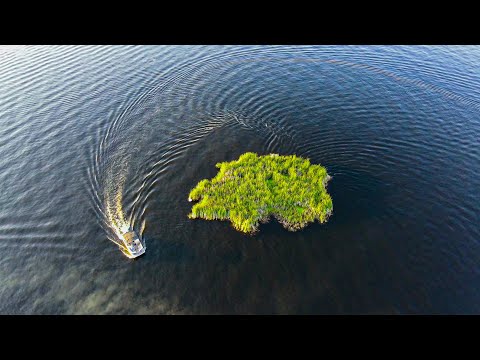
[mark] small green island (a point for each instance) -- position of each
(250, 190)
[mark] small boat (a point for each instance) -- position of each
(132, 246)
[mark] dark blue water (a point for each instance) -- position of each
(94, 139)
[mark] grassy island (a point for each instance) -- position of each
(250, 190)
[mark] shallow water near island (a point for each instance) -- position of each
(95, 139)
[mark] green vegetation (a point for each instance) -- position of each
(251, 189)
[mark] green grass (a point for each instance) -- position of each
(250, 190)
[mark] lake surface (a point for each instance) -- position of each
(96, 138)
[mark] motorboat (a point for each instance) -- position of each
(132, 246)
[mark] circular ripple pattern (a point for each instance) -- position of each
(96, 139)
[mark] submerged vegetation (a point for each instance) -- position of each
(250, 190)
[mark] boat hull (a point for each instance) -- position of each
(131, 255)
(132, 247)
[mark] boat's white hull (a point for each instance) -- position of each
(131, 255)
(132, 247)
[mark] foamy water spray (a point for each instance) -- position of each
(114, 185)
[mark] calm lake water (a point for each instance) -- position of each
(96, 138)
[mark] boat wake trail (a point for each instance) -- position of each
(139, 145)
